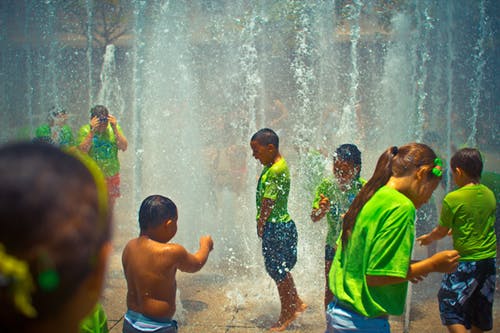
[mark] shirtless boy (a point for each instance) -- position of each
(150, 263)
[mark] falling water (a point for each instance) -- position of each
(303, 72)
(450, 56)
(29, 69)
(110, 93)
(477, 80)
(348, 128)
(90, 48)
(424, 22)
(193, 80)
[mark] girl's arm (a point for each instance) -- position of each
(442, 262)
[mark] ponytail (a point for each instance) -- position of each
(397, 162)
(382, 173)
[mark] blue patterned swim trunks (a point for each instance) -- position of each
(466, 295)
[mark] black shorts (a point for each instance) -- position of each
(279, 248)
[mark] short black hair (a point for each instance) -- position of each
(99, 111)
(266, 136)
(469, 160)
(348, 152)
(154, 210)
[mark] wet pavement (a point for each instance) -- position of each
(214, 300)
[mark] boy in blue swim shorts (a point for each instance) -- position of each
(466, 295)
(274, 225)
(150, 263)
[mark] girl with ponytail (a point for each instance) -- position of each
(372, 267)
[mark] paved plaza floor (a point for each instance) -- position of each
(222, 298)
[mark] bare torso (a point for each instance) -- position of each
(150, 269)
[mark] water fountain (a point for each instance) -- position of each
(198, 78)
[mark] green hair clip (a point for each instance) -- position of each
(438, 167)
(16, 275)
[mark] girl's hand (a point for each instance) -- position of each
(417, 279)
(445, 261)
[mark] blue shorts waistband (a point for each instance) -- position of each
(145, 324)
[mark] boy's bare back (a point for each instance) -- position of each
(150, 269)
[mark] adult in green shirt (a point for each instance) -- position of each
(371, 269)
(101, 139)
(56, 131)
(333, 197)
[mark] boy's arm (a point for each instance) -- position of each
(86, 135)
(436, 234)
(265, 211)
(191, 263)
(443, 262)
(121, 141)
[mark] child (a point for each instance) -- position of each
(56, 131)
(150, 264)
(51, 203)
(101, 139)
(274, 225)
(334, 196)
(371, 269)
(466, 296)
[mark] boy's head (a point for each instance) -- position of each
(155, 210)
(469, 161)
(347, 162)
(265, 145)
(56, 223)
(100, 112)
(57, 116)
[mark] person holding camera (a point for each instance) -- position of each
(101, 139)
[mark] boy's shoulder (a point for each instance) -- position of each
(150, 246)
(279, 166)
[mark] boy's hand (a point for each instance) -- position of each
(424, 239)
(94, 123)
(206, 241)
(112, 120)
(324, 203)
(445, 261)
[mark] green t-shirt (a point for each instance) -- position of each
(63, 138)
(274, 184)
(381, 244)
(339, 204)
(96, 322)
(470, 213)
(104, 150)
(491, 180)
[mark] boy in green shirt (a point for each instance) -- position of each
(101, 139)
(274, 225)
(466, 296)
(56, 131)
(334, 196)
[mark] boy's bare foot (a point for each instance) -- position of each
(281, 325)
